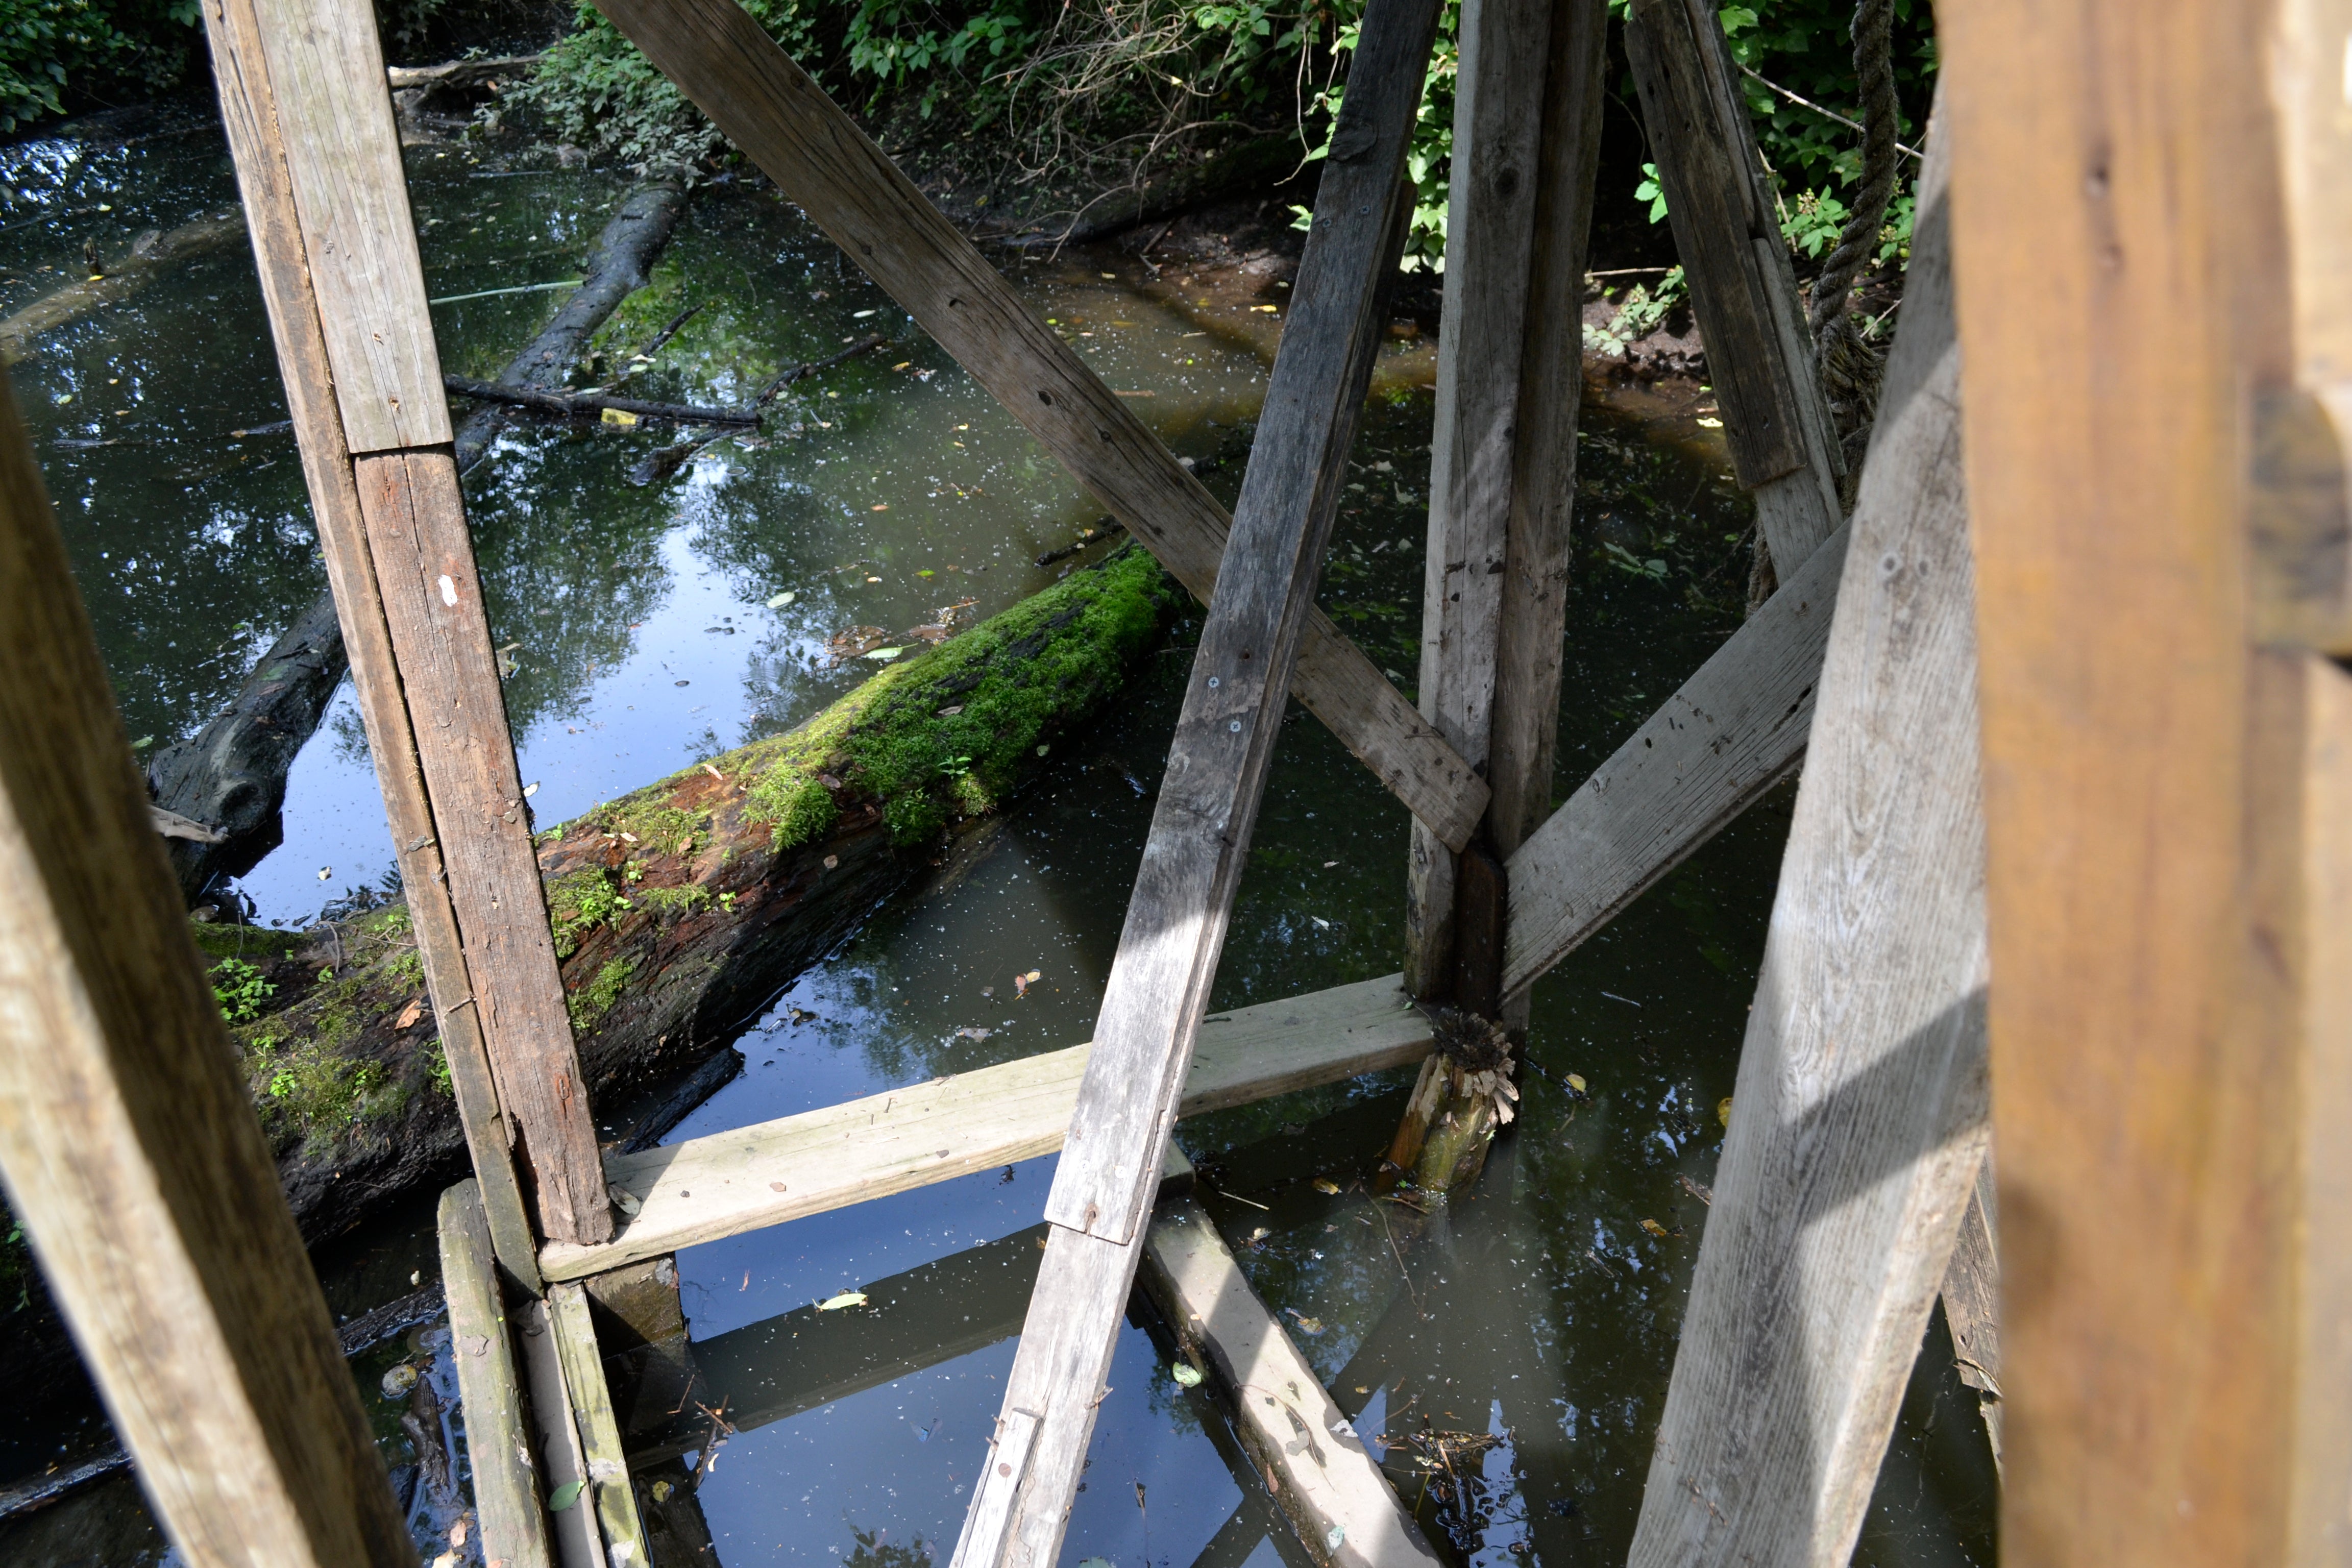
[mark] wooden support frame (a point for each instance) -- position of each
(309, 126)
(1527, 122)
(734, 72)
(1860, 1117)
(1158, 986)
(726, 1183)
(128, 1140)
(481, 1342)
(2164, 764)
(1784, 448)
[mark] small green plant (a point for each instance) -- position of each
(1651, 191)
(240, 988)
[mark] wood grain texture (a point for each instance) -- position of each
(424, 559)
(1174, 931)
(1729, 733)
(1860, 1117)
(334, 124)
(128, 1140)
(1972, 1298)
(249, 115)
(730, 1182)
(497, 1451)
(1743, 289)
(1525, 727)
(1497, 186)
(768, 105)
(555, 1439)
(2152, 1027)
(615, 1501)
(1331, 1490)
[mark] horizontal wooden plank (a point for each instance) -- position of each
(708, 1188)
(1726, 737)
(1344, 1510)
(800, 138)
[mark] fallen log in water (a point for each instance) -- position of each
(150, 254)
(680, 910)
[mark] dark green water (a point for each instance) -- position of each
(649, 626)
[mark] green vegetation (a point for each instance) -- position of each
(589, 1005)
(240, 988)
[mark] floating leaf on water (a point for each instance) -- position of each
(621, 416)
(1723, 1110)
(1654, 1228)
(778, 601)
(971, 1033)
(1576, 1081)
(1307, 1325)
(564, 1496)
(846, 1298)
(1326, 1185)
(1710, 424)
(1021, 983)
(885, 653)
(1186, 1374)
(399, 1381)
(859, 315)
(661, 1490)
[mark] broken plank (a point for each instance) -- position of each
(128, 1139)
(563, 1459)
(1972, 1298)
(1743, 288)
(723, 60)
(582, 1364)
(730, 1182)
(1729, 733)
(497, 1452)
(1328, 1486)
(1225, 732)
(1860, 1116)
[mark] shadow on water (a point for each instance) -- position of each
(1521, 1343)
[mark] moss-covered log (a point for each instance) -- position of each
(679, 912)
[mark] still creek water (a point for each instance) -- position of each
(649, 627)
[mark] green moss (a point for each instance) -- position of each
(579, 901)
(650, 820)
(953, 731)
(250, 943)
(589, 1005)
(676, 903)
(310, 1086)
(797, 808)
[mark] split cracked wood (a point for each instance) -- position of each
(1341, 1507)
(1224, 740)
(420, 650)
(505, 1488)
(726, 63)
(1743, 288)
(128, 1143)
(1860, 1116)
(727, 1183)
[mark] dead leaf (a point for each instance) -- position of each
(1326, 1185)
(846, 1298)
(854, 642)
(410, 1014)
(1021, 983)
(1654, 1228)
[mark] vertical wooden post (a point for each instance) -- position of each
(310, 124)
(1503, 457)
(2150, 324)
(127, 1138)
(1743, 289)
(1859, 1124)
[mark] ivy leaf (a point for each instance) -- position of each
(564, 1496)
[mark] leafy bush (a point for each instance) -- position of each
(54, 52)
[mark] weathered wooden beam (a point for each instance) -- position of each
(2165, 771)
(723, 59)
(1498, 115)
(1730, 732)
(1972, 1298)
(608, 1489)
(505, 1488)
(1525, 730)
(1330, 1489)
(1784, 448)
(308, 128)
(1859, 1119)
(563, 1473)
(127, 1140)
(730, 1182)
(1175, 931)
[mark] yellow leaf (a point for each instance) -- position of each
(1710, 424)
(1326, 1185)
(619, 416)
(1654, 1228)
(1576, 1081)
(846, 1298)
(1723, 1110)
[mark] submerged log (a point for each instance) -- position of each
(681, 910)
(151, 254)
(231, 777)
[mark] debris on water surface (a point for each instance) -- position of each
(1723, 1110)
(1186, 1374)
(778, 601)
(846, 1298)
(399, 1381)
(1021, 983)
(972, 1032)
(1654, 1228)
(1307, 1325)
(1576, 1083)
(1327, 1187)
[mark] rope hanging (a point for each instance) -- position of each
(1874, 65)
